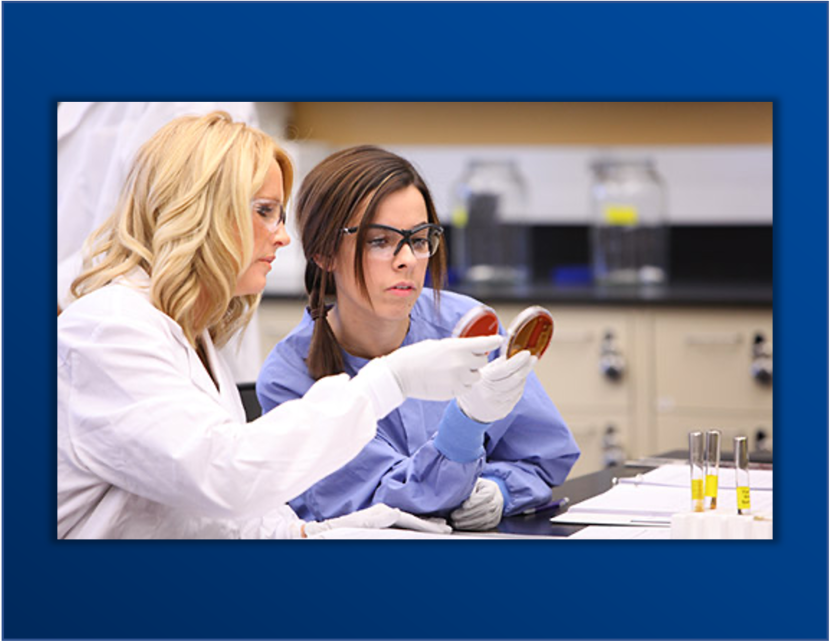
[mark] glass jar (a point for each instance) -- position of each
(489, 242)
(629, 240)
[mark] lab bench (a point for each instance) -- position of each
(576, 490)
(580, 488)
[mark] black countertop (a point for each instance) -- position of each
(680, 294)
(719, 295)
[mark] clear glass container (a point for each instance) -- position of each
(629, 240)
(490, 244)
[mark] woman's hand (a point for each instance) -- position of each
(378, 517)
(438, 370)
(500, 388)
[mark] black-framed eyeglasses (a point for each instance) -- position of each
(384, 242)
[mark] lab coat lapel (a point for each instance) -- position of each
(227, 394)
(198, 372)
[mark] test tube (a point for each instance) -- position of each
(696, 467)
(712, 468)
(742, 473)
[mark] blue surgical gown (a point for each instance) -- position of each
(526, 453)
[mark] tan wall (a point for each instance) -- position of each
(553, 123)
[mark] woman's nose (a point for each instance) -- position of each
(405, 256)
(281, 236)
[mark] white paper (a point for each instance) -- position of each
(388, 533)
(647, 505)
(600, 532)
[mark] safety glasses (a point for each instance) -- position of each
(384, 242)
(271, 212)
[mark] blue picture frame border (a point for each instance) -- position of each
(561, 51)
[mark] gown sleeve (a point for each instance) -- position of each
(530, 450)
(424, 482)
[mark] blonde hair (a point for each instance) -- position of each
(184, 217)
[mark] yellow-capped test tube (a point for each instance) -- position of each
(742, 473)
(712, 467)
(696, 469)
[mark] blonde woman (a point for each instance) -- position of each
(152, 440)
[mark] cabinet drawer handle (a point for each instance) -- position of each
(726, 340)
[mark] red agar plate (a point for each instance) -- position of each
(479, 321)
(531, 330)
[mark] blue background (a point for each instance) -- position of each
(435, 51)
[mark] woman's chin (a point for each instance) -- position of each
(249, 288)
(395, 310)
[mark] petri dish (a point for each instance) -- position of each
(531, 330)
(479, 321)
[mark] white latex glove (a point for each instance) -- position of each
(438, 370)
(482, 511)
(500, 388)
(378, 517)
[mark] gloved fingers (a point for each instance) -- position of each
(377, 517)
(477, 520)
(502, 368)
(465, 381)
(473, 350)
(380, 514)
(467, 378)
(473, 501)
(479, 498)
(474, 362)
(482, 345)
(437, 521)
(411, 522)
(478, 525)
(510, 387)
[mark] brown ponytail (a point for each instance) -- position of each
(324, 355)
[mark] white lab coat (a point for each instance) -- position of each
(149, 448)
(97, 143)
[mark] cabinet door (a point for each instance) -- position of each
(673, 431)
(276, 319)
(601, 440)
(704, 359)
(570, 369)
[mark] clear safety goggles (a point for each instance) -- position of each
(271, 213)
(384, 242)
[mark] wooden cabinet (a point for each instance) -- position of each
(672, 431)
(703, 361)
(633, 381)
(682, 369)
(707, 375)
